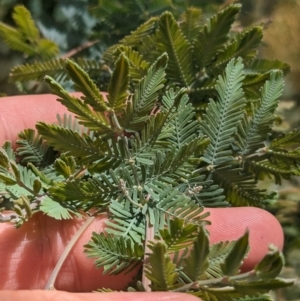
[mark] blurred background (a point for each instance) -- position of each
(86, 28)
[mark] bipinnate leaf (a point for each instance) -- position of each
(146, 95)
(33, 149)
(4, 160)
(220, 121)
(196, 263)
(136, 37)
(191, 22)
(25, 23)
(54, 67)
(68, 141)
(114, 254)
(137, 65)
(94, 120)
(265, 65)
(255, 131)
(270, 266)
(83, 83)
(172, 41)
(244, 45)
(214, 35)
(65, 165)
(178, 235)
(118, 85)
(236, 256)
(55, 209)
(161, 271)
(25, 37)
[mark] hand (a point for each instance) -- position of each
(28, 255)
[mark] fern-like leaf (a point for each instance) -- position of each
(127, 222)
(137, 65)
(54, 68)
(80, 146)
(25, 37)
(254, 132)
(134, 39)
(190, 23)
(55, 209)
(220, 121)
(118, 85)
(115, 254)
(161, 271)
(214, 35)
(25, 23)
(265, 65)
(185, 127)
(145, 96)
(172, 41)
(196, 263)
(244, 45)
(32, 148)
(83, 83)
(95, 121)
(178, 235)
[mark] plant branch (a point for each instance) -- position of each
(148, 237)
(78, 49)
(225, 280)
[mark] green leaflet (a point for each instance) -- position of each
(235, 258)
(161, 271)
(115, 254)
(137, 66)
(32, 148)
(84, 84)
(172, 41)
(26, 38)
(68, 141)
(55, 209)
(118, 85)
(211, 39)
(54, 68)
(220, 121)
(177, 235)
(91, 119)
(257, 129)
(191, 22)
(196, 263)
(244, 45)
(145, 96)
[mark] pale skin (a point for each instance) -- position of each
(28, 255)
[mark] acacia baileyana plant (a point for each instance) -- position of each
(149, 161)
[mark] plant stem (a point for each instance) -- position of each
(224, 279)
(51, 280)
(149, 237)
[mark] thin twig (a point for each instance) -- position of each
(52, 279)
(224, 279)
(149, 237)
(78, 49)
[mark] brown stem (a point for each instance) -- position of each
(78, 49)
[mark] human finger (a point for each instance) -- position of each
(20, 112)
(29, 254)
(60, 295)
